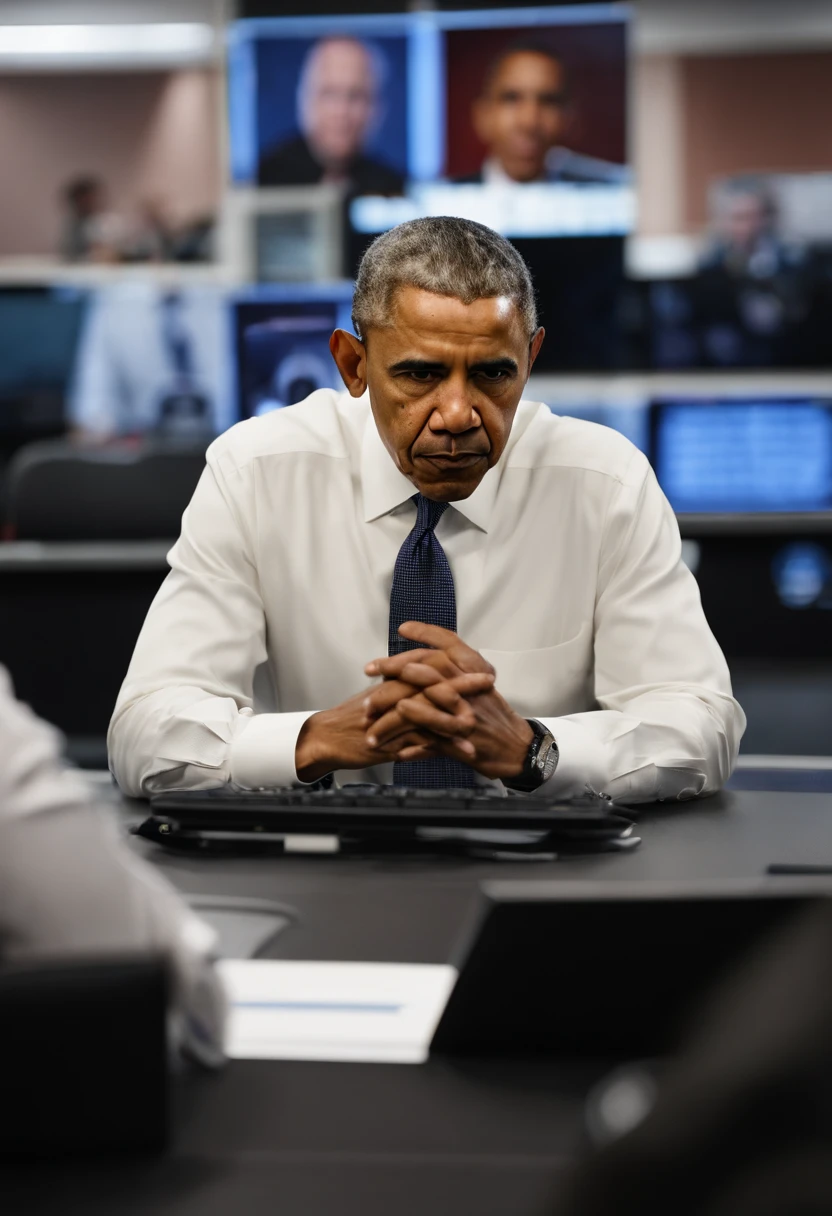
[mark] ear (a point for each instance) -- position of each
(534, 347)
(350, 357)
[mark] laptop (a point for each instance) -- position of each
(601, 971)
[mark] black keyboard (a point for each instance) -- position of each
(351, 809)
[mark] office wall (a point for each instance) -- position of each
(699, 117)
(145, 133)
(745, 113)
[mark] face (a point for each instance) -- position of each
(523, 114)
(445, 380)
(339, 100)
(744, 219)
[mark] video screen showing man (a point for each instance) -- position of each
(341, 111)
(543, 108)
(152, 361)
(446, 585)
(756, 298)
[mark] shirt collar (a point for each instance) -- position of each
(384, 487)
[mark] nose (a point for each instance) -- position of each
(455, 411)
(529, 115)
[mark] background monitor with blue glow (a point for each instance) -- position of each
(764, 455)
(281, 340)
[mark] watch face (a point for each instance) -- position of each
(547, 758)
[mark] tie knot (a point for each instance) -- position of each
(428, 513)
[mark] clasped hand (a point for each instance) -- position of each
(440, 701)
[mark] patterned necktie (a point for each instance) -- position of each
(423, 590)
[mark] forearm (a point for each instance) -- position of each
(186, 739)
(668, 745)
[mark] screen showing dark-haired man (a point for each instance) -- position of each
(524, 116)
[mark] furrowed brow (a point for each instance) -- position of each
(418, 365)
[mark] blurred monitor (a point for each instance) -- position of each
(154, 360)
(717, 319)
(759, 293)
(512, 117)
(314, 101)
(281, 342)
(39, 333)
(289, 235)
(744, 456)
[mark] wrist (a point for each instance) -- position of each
(312, 761)
(518, 749)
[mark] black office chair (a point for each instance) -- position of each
(84, 1057)
(61, 491)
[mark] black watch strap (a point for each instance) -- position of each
(537, 767)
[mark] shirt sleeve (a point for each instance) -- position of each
(69, 885)
(667, 726)
(185, 715)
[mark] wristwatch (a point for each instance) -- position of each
(540, 763)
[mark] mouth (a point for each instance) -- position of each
(465, 460)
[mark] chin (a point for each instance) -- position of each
(454, 489)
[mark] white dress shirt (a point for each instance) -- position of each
(69, 885)
(568, 576)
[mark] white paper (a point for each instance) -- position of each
(368, 1012)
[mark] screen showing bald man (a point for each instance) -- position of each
(340, 107)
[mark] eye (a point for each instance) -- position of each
(493, 375)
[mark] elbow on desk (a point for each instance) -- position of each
(144, 755)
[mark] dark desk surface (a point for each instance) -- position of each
(482, 1137)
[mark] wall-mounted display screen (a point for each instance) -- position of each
(739, 456)
(513, 117)
(281, 340)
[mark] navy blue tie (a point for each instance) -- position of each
(423, 590)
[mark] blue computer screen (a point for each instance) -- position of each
(39, 333)
(281, 343)
(744, 456)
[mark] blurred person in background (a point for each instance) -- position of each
(95, 233)
(339, 98)
(151, 361)
(752, 290)
(92, 232)
(71, 888)
(523, 114)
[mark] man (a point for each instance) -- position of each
(522, 115)
(338, 103)
(151, 362)
(69, 886)
(752, 293)
(514, 577)
(92, 232)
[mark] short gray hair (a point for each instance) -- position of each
(444, 255)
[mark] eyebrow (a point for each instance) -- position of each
(427, 365)
(418, 365)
